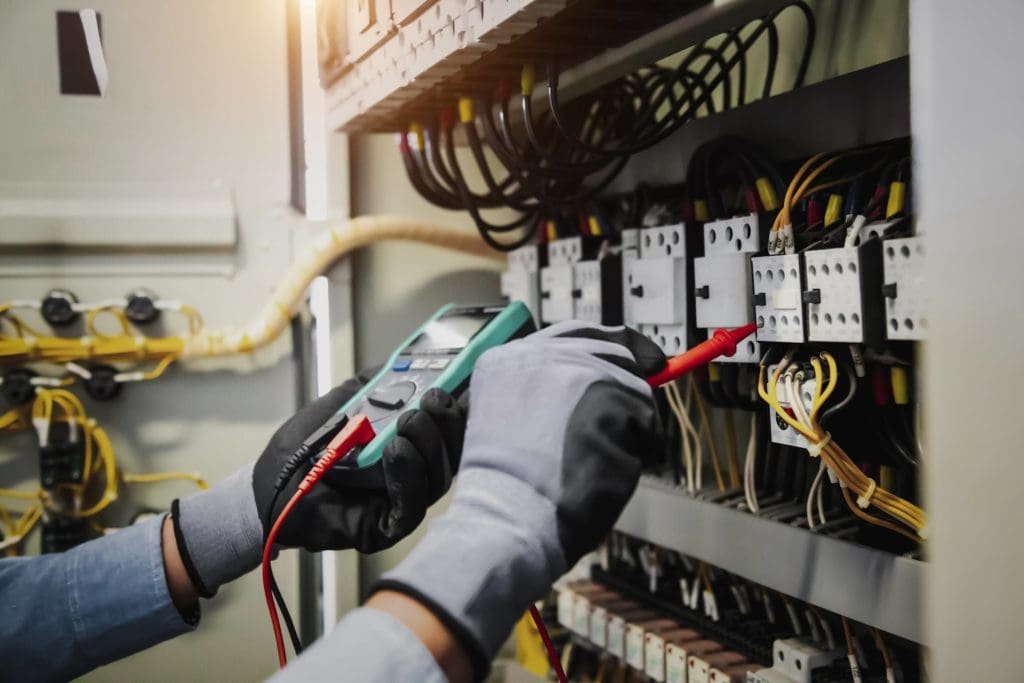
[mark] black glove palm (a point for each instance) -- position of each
(416, 469)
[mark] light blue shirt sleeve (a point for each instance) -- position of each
(368, 646)
(64, 614)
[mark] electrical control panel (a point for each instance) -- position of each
(521, 279)
(777, 298)
(903, 289)
(842, 293)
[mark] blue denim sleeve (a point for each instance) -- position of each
(369, 646)
(68, 613)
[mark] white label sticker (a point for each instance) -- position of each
(654, 657)
(599, 626)
(616, 637)
(635, 647)
(565, 603)
(581, 616)
(675, 664)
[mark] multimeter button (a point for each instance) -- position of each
(420, 364)
(438, 364)
(401, 365)
(392, 396)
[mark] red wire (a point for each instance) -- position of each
(268, 551)
(556, 663)
(357, 432)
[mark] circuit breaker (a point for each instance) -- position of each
(903, 288)
(723, 291)
(842, 294)
(521, 280)
(581, 281)
(654, 285)
(777, 304)
(557, 280)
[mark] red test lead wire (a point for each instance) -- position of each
(721, 343)
(357, 432)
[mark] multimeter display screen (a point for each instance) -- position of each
(449, 332)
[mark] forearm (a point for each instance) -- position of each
(183, 592)
(68, 613)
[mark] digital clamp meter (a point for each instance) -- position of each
(441, 354)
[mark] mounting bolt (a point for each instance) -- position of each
(57, 308)
(102, 385)
(140, 307)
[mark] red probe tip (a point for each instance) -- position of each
(721, 343)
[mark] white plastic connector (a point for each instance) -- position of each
(795, 658)
(739, 235)
(903, 265)
(833, 274)
(778, 281)
(781, 432)
(671, 339)
(566, 600)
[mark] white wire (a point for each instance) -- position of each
(749, 483)
(815, 492)
(684, 436)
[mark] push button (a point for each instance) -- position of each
(392, 396)
(439, 364)
(401, 365)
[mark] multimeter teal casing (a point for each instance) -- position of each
(441, 354)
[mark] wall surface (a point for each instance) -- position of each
(968, 160)
(198, 95)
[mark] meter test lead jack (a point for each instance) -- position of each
(440, 354)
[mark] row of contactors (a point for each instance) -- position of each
(666, 651)
(862, 294)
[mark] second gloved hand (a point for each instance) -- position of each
(560, 424)
(220, 532)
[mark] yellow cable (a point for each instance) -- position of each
(712, 447)
(106, 453)
(157, 477)
(118, 313)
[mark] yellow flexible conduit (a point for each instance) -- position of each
(339, 240)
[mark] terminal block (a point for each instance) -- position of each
(62, 458)
(842, 294)
(777, 304)
(903, 265)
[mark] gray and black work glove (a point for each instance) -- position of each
(559, 426)
(220, 532)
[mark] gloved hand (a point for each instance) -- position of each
(559, 426)
(220, 532)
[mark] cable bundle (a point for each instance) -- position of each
(569, 152)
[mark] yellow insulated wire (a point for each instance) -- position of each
(158, 477)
